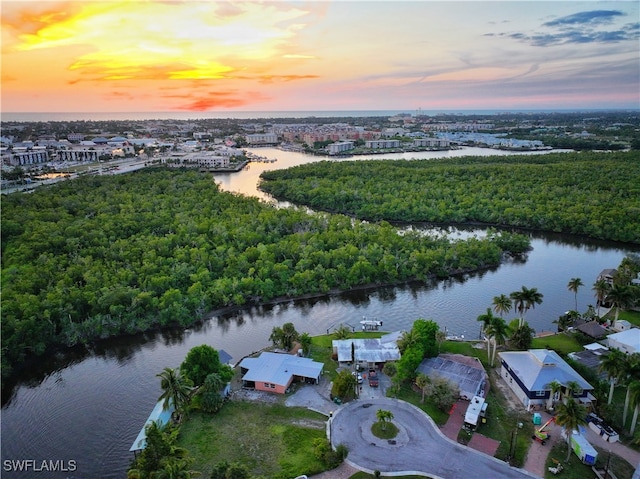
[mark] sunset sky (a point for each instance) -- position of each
(322, 55)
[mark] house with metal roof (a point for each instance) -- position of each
(367, 352)
(627, 341)
(529, 373)
(160, 416)
(275, 372)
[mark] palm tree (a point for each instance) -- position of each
(502, 304)
(573, 285)
(554, 386)
(422, 381)
(630, 373)
(570, 415)
(343, 332)
(613, 365)
(601, 289)
(525, 299)
(486, 320)
(498, 331)
(621, 297)
(408, 339)
(305, 343)
(383, 417)
(175, 389)
(635, 402)
(521, 336)
(174, 468)
(571, 388)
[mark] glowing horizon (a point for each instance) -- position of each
(122, 56)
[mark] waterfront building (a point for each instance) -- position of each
(339, 147)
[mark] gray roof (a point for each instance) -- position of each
(371, 350)
(279, 368)
(593, 329)
(536, 368)
(591, 358)
(470, 379)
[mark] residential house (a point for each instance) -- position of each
(468, 373)
(627, 340)
(275, 372)
(367, 352)
(529, 373)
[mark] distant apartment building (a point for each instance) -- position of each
(339, 147)
(24, 157)
(84, 154)
(262, 139)
(382, 144)
(75, 137)
(199, 159)
(432, 142)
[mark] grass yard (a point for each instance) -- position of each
(406, 393)
(502, 425)
(632, 316)
(274, 441)
(562, 343)
(575, 469)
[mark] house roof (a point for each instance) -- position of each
(371, 350)
(536, 368)
(159, 415)
(279, 368)
(593, 329)
(591, 359)
(469, 378)
(630, 337)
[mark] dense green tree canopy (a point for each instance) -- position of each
(102, 256)
(201, 361)
(589, 193)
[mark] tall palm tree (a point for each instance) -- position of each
(621, 297)
(635, 402)
(525, 299)
(175, 389)
(630, 373)
(554, 386)
(600, 289)
(570, 415)
(502, 304)
(497, 331)
(613, 365)
(573, 286)
(486, 320)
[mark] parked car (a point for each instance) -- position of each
(373, 378)
(358, 377)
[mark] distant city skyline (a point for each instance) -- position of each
(197, 56)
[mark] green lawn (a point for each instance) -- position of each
(575, 469)
(632, 316)
(562, 343)
(274, 441)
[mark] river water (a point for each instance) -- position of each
(81, 410)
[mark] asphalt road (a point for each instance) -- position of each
(419, 447)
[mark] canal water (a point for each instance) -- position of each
(81, 410)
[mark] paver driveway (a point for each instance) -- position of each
(419, 445)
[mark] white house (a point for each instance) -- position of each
(627, 341)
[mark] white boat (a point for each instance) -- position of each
(370, 324)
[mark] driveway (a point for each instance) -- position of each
(419, 447)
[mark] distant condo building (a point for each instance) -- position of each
(339, 147)
(20, 157)
(382, 144)
(432, 142)
(78, 155)
(262, 139)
